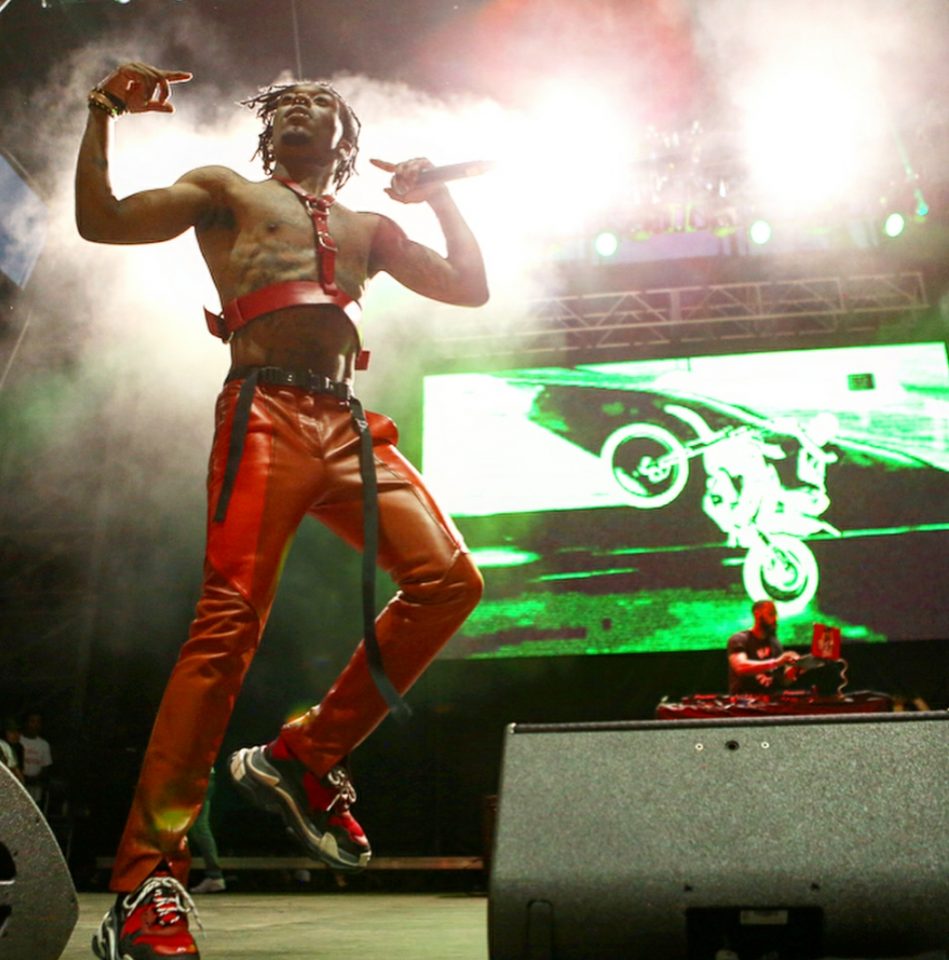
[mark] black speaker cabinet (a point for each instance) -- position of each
(38, 905)
(794, 836)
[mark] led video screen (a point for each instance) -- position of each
(641, 506)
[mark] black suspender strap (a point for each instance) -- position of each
(235, 449)
(370, 552)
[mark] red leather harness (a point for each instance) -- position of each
(239, 312)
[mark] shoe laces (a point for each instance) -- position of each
(338, 779)
(169, 898)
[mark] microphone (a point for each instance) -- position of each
(454, 171)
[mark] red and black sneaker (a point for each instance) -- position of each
(315, 810)
(151, 923)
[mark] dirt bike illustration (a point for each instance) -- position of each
(650, 463)
(781, 567)
(743, 496)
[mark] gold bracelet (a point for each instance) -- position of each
(106, 101)
(117, 102)
(98, 101)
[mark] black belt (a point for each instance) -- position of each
(316, 383)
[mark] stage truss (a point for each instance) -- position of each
(669, 317)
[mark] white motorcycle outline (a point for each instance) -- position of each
(778, 564)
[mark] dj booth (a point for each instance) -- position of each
(824, 655)
(703, 706)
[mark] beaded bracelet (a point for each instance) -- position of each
(117, 102)
(105, 101)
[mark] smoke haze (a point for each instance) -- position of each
(116, 371)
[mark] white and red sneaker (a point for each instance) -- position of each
(151, 923)
(315, 810)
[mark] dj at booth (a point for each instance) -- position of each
(765, 679)
(758, 664)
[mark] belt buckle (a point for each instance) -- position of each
(314, 383)
(337, 389)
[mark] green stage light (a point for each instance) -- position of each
(894, 224)
(760, 232)
(606, 243)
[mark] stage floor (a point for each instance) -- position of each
(306, 926)
(309, 925)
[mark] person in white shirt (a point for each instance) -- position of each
(37, 757)
(9, 744)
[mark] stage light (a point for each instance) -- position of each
(812, 128)
(760, 232)
(638, 228)
(894, 225)
(540, 159)
(725, 222)
(606, 243)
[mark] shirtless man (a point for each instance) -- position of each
(290, 265)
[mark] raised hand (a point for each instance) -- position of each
(143, 88)
(404, 187)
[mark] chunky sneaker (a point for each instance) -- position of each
(315, 811)
(151, 923)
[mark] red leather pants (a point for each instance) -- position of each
(301, 455)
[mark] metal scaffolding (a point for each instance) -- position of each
(690, 315)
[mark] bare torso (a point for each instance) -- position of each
(260, 234)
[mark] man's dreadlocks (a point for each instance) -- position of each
(265, 104)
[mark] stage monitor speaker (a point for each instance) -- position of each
(38, 905)
(790, 836)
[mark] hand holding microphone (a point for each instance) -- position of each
(413, 180)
